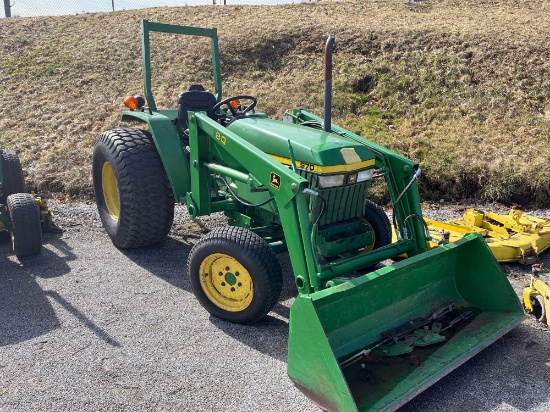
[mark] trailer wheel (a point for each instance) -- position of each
(13, 181)
(378, 221)
(539, 309)
(132, 192)
(235, 275)
(26, 233)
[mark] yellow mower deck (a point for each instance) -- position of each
(512, 237)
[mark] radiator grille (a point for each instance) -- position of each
(343, 203)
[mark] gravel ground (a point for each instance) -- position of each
(85, 326)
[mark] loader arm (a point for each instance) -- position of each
(240, 160)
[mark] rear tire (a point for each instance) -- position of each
(26, 234)
(132, 192)
(376, 218)
(12, 172)
(235, 275)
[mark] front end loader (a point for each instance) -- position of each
(360, 338)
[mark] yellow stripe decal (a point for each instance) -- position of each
(310, 167)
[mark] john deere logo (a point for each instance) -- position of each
(275, 181)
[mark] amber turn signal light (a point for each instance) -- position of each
(134, 102)
(234, 103)
(131, 102)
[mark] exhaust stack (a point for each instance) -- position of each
(328, 83)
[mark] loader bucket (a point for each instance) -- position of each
(352, 347)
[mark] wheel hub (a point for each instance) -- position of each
(226, 282)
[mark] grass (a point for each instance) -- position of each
(462, 87)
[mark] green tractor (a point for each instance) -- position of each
(360, 338)
(19, 212)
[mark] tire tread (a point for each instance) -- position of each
(253, 246)
(380, 223)
(25, 220)
(13, 181)
(146, 198)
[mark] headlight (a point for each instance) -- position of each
(327, 181)
(365, 175)
(331, 181)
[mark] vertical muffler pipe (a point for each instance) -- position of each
(328, 83)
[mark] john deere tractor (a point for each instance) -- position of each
(19, 211)
(300, 186)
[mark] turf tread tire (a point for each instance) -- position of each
(145, 195)
(380, 224)
(13, 181)
(255, 255)
(26, 231)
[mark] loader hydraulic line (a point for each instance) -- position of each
(396, 204)
(241, 201)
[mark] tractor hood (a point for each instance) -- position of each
(314, 149)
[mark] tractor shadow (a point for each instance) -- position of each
(167, 260)
(268, 336)
(25, 310)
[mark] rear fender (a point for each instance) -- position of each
(171, 151)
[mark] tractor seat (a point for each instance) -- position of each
(195, 100)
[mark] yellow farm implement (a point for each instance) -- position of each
(512, 237)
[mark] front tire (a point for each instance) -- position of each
(132, 192)
(378, 221)
(235, 275)
(26, 233)
(12, 172)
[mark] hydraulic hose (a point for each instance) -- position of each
(238, 199)
(394, 221)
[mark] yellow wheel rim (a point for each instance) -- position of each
(366, 248)
(226, 282)
(371, 246)
(110, 190)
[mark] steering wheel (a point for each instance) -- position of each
(233, 110)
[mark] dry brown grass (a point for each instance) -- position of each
(463, 87)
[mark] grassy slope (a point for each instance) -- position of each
(463, 87)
